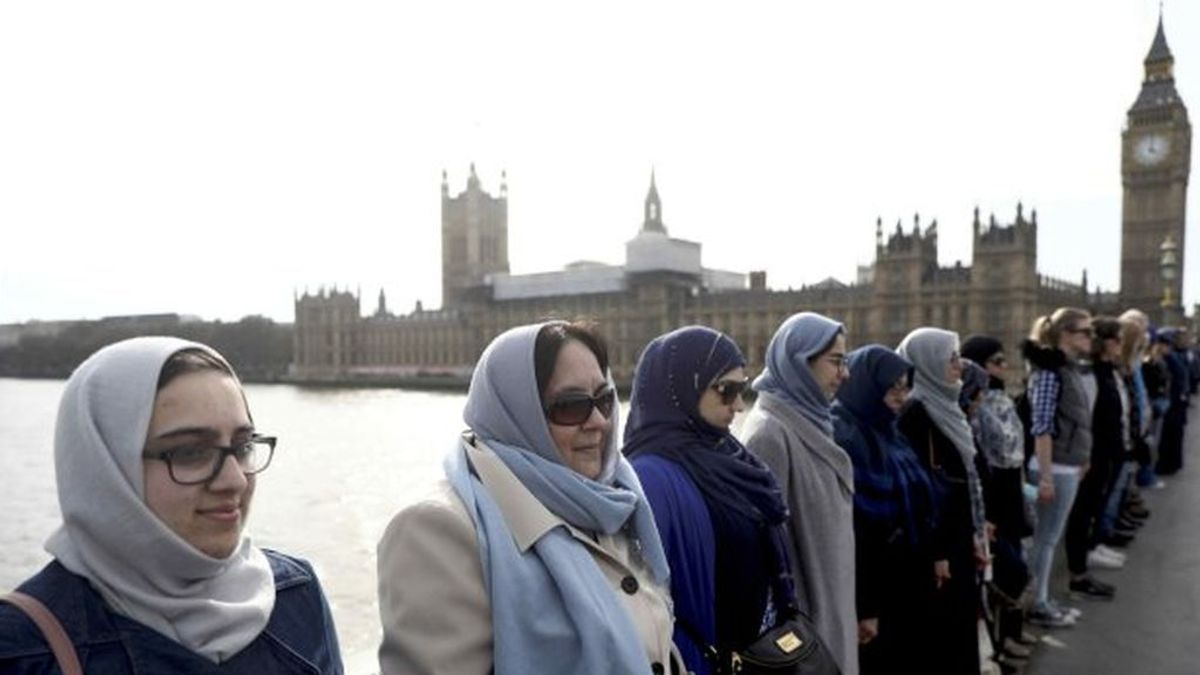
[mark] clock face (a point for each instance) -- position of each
(1151, 149)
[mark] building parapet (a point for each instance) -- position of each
(572, 281)
(1054, 284)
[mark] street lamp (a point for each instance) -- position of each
(1169, 266)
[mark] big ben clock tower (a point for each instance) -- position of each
(1156, 151)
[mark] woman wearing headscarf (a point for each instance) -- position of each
(1000, 436)
(537, 552)
(938, 430)
(791, 430)
(718, 509)
(157, 458)
(893, 513)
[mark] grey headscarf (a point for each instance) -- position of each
(929, 350)
(142, 569)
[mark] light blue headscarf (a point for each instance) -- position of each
(552, 609)
(787, 374)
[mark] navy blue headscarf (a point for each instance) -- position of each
(744, 504)
(672, 374)
(889, 482)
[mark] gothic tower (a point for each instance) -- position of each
(474, 239)
(1156, 150)
(653, 210)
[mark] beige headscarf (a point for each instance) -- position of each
(143, 570)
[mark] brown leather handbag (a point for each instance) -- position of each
(52, 630)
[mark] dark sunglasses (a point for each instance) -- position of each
(575, 409)
(730, 390)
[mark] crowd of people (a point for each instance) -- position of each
(872, 508)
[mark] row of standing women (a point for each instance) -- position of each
(1108, 399)
(848, 506)
(547, 549)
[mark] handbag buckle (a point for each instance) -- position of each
(789, 642)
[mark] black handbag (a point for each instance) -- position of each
(790, 648)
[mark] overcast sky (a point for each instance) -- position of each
(210, 158)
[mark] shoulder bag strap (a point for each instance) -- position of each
(711, 653)
(52, 630)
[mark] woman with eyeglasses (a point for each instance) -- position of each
(791, 429)
(1062, 394)
(1000, 436)
(718, 509)
(936, 427)
(893, 513)
(1112, 441)
(157, 458)
(537, 551)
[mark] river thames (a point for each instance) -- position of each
(347, 460)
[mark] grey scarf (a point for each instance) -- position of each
(141, 568)
(929, 350)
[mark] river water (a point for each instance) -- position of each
(347, 460)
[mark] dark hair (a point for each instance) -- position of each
(549, 343)
(191, 360)
(827, 346)
(1106, 328)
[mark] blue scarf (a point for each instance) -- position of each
(552, 608)
(890, 485)
(787, 375)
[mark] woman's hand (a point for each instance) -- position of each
(941, 572)
(867, 630)
(982, 559)
(989, 528)
(1046, 490)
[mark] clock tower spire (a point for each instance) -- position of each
(1156, 150)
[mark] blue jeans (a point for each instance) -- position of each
(1051, 522)
(1145, 474)
(1116, 497)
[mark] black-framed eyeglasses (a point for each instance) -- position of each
(571, 410)
(196, 464)
(998, 360)
(1087, 330)
(838, 361)
(730, 390)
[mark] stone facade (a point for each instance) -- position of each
(1156, 152)
(662, 284)
(999, 293)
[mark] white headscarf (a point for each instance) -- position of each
(143, 570)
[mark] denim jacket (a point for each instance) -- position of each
(299, 637)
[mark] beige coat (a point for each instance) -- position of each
(436, 612)
(817, 478)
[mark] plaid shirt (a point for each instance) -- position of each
(1043, 401)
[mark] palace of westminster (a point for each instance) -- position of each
(663, 285)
